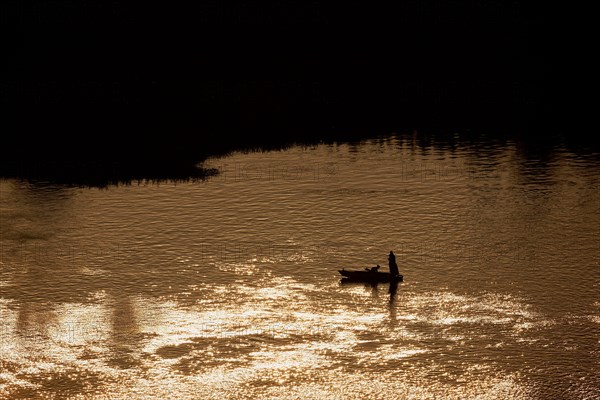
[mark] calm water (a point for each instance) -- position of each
(228, 288)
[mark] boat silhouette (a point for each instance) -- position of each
(369, 275)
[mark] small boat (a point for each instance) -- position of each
(369, 276)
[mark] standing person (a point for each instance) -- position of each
(393, 266)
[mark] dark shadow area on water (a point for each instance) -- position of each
(182, 159)
(94, 94)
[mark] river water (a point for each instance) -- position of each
(228, 288)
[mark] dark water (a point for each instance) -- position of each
(229, 288)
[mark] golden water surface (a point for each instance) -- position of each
(228, 288)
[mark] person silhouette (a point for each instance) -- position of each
(393, 266)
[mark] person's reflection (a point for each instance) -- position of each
(391, 305)
(392, 291)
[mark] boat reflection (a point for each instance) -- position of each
(374, 287)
